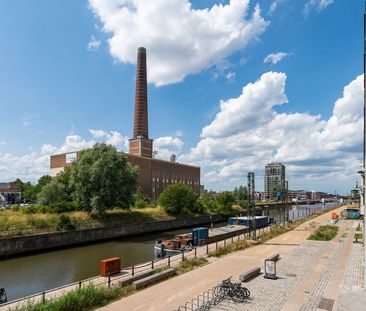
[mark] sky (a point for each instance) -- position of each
(233, 85)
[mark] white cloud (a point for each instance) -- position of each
(274, 6)
(230, 76)
(93, 44)
(247, 129)
(318, 5)
(274, 58)
(166, 146)
(180, 40)
(113, 138)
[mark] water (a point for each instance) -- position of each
(31, 274)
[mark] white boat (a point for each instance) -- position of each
(172, 247)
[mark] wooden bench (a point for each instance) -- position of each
(247, 275)
(153, 278)
(136, 277)
(274, 257)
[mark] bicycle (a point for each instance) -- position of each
(234, 290)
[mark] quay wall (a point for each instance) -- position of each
(46, 241)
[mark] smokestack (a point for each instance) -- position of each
(140, 126)
(141, 144)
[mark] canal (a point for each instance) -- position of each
(31, 274)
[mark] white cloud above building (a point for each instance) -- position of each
(180, 40)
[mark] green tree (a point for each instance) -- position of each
(102, 178)
(241, 196)
(224, 201)
(53, 192)
(140, 200)
(178, 199)
(64, 178)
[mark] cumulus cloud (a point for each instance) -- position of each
(318, 5)
(166, 146)
(247, 133)
(113, 138)
(93, 44)
(274, 58)
(180, 40)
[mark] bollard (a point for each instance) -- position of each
(109, 281)
(225, 242)
(79, 284)
(169, 261)
(133, 270)
(216, 245)
(232, 239)
(43, 296)
(195, 252)
(152, 264)
(182, 255)
(206, 249)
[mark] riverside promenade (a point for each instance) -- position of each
(313, 275)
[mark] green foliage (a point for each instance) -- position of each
(207, 202)
(224, 202)
(140, 200)
(359, 227)
(358, 236)
(324, 233)
(52, 192)
(241, 196)
(29, 191)
(178, 199)
(83, 299)
(64, 223)
(190, 264)
(232, 247)
(15, 207)
(102, 178)
(64, 178)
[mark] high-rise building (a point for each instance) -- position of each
(154, 174)
(274, 176)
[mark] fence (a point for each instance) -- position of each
(170, 261)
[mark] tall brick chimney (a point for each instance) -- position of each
(141, 144)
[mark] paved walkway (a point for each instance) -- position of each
(306, 270)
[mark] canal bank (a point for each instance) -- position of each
(46, 241)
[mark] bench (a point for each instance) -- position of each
(153, 278)
(274, 257)
(136, 277)
(247, 275)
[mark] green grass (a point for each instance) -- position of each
(232, 247)
(86, 298)
(358, 238)
(190, 264)
(324, 233)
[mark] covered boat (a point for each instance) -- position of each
(181, 243)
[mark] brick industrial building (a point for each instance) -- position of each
(154, 175)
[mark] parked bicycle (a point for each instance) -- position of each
(234, 290)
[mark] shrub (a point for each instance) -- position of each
(324, 233)
(51, 193)
(64, 223)
(141, 201)
(15, 207)
(190, 264)
(178, 199)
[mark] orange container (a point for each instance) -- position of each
(334, 215)
(110, 266)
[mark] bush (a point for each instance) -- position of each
(15, 207)
(64, 223)
(141, 201)
(324, 233)
(178, 199)
(224, 202)
(52, 192)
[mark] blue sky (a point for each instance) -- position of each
(67, 80)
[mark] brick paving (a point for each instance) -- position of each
(271, 295)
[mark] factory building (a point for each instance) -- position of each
(154, 174)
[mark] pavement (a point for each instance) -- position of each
(313, 275)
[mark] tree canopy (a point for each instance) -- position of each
(102, 178)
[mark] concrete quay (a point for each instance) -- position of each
(312, 275)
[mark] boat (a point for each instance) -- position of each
(180, 244)
(260, 221)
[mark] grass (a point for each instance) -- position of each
(358, 238)
(324, 233)
(14, 223)
(86, 298)
(232, 247)
(190, 264)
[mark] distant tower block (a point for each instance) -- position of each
(141, 144)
